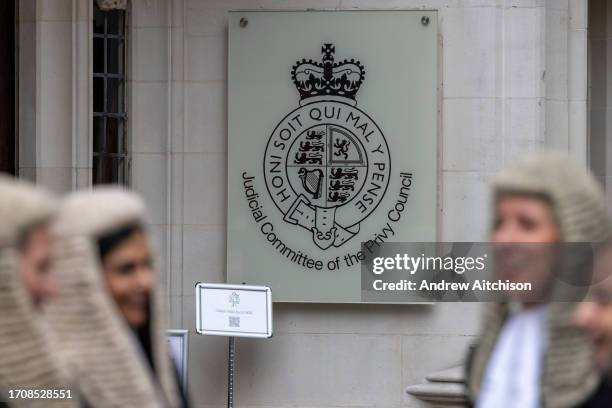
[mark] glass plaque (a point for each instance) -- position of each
(332, 122)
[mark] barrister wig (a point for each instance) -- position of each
(578, 205)
(28, 359)
(102, 351)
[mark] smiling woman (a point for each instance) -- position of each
(128, 270)
(109, 316)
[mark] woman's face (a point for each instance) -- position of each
(523, 229)
(130, 278)
(524, 219)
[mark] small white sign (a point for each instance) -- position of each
(233, 310)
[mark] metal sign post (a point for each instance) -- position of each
(233, 311)
(230, 372)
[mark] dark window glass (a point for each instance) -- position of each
(98, 55)
(113, 22)
(8, 139)
(98, 21)
(98, 94)
(98, 133)
(114, 52)
(110, 155)
(112, 131)
(113, 89)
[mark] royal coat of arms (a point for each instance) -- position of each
(327, 163)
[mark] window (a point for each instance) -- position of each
(111, 160)
(7, 87)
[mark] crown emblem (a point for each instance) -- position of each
(327, 78)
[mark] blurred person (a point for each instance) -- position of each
(110, 315)
(28, 358)
(26, 212)
(595, 317)
(595, 314)
(530, 354)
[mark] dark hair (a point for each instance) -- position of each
(112, 240)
